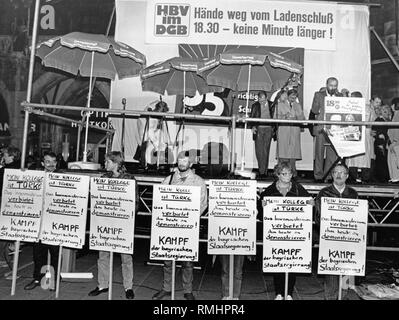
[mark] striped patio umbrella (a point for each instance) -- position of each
(91, 55)
(249, 68)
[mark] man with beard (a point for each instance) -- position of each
(183, 176)
(40, 250)
(321, 166)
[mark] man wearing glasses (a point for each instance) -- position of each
(338, 189)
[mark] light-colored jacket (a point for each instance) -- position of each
(289, 136)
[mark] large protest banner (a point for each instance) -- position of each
(112, 214)
(21, 205)
(349, 63)
(348, 140)
(65, 210)
(310, 25)
(343, 236)
(232, 217)
(175, 222)
(287, 234)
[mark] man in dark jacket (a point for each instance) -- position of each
(262, 133)
(10, 159)
(322, 146)
(338, 189)
(40, 250)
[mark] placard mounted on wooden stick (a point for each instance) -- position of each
(175, 223)
(21, 205)
(287, 234)
(112, 214)
(65, 210)
(343, 236)
(232, 217)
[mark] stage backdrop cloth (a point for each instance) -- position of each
(350, 63)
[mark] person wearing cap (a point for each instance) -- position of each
(338, 189)
(283, 186)
(184, 175)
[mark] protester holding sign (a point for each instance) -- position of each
(10, 159)
(183, 176)
(40, 250)
(321, 166)
(284, 187)
(338, 189)
(232, 228)
(114, 164)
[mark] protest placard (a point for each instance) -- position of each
(348, 140)
(343, 236)
(232, 217)
(112, 214)
(287, 234)
(175, 222)
(21, 205)
(65, 210)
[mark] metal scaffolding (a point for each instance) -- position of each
(232, 121)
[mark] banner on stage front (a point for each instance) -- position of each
(348, 140)
(287, 234)
(306, 25)
(65, 210)
(232, 217)
(343, 236)
(175, 222)
(112, 213)
(21, 205)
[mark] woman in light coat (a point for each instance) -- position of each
(289, 135)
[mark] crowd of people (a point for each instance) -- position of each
(283, 186)
(379, 163)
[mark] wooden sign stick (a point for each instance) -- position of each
(231, 276)
(111, 271)
(57, 288)
(286, 286)
(15, 267)
(173, 279)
